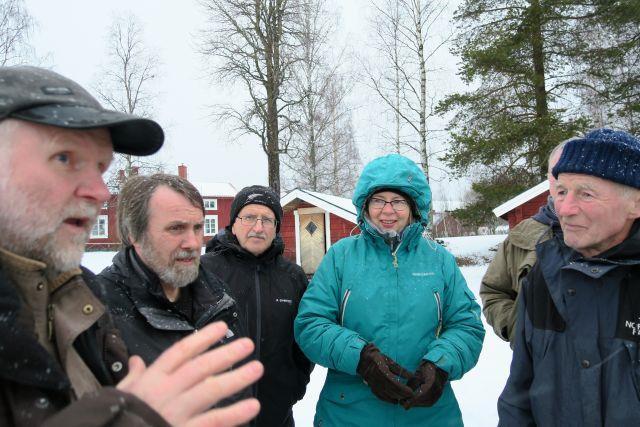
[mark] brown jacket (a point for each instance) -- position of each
(57, 350)
(501, 283)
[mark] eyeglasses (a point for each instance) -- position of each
(252, 219)
(398, 205)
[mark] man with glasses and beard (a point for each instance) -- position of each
(155, 288)
(247, 255)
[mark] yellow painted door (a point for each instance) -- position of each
(312, 241)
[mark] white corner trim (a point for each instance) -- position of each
(297, 236)
(327, 231)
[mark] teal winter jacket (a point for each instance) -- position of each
(413, 304)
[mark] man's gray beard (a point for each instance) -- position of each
(173, 275)
(28, 229)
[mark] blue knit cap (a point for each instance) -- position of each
(605, 153)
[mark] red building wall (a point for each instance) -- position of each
(288, 234)
(112, 242)
(527, 210)
(223, 212)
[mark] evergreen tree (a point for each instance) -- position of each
(519, 55)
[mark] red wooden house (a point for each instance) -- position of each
(217, 198)
(312, 222)
(524, 205)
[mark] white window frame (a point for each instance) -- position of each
(209, 206)
(210, 217)
(104, 218)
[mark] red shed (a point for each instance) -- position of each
(217, 198)
(312, 222)
(524, 205)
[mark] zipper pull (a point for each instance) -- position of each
(50, 321)
(395, 260)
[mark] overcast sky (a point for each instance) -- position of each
(72, 35)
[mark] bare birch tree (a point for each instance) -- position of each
(406, 44)
(255, 43)
(15, 27)
(323, 155)
(126, 85)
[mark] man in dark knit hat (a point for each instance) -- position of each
(576, 360)
(247, 255)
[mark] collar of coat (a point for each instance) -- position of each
(145, 292)
(22, 359)
(226, 241)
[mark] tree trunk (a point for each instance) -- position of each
(542, 109)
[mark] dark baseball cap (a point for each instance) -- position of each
(43, 96)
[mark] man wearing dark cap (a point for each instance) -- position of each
(62, 361)
(247, 255)
(576, 360)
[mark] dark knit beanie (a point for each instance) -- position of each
(258, 195)
(605, 153)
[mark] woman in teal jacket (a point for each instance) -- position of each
(388, 311)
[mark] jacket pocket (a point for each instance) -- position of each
(343, 306)
(438, 300)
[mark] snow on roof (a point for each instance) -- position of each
(215, 189)
(340, 206)
(521, 198)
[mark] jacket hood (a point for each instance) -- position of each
(393, 172)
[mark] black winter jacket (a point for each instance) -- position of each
(268, 289)
(148, 321)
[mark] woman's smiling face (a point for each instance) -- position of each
(389, 211)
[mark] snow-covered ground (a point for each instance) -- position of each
(477, 391)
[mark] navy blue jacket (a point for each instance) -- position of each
(576, 359)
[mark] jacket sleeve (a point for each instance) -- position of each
(303, 365)
(498, 294)
(316, 327)
(458, 347)
(514, 404)
(107, 407)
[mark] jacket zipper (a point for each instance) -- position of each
(258, 321)
(343, 307)
(436, 295)
(395, 256)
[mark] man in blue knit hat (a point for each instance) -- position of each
(576, 360)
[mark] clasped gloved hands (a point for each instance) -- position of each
(381, 373)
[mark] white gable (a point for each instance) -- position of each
(339, 206)
(215, 189)
(521, 198)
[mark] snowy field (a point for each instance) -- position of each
(477, 391)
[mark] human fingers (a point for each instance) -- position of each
(189, 347)
(399, 370)
(237, 414)
(213, 389)
(391, 389)
(213, 361)
(136, 370)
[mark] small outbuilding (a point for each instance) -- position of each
(524, 205)
(312, 222)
